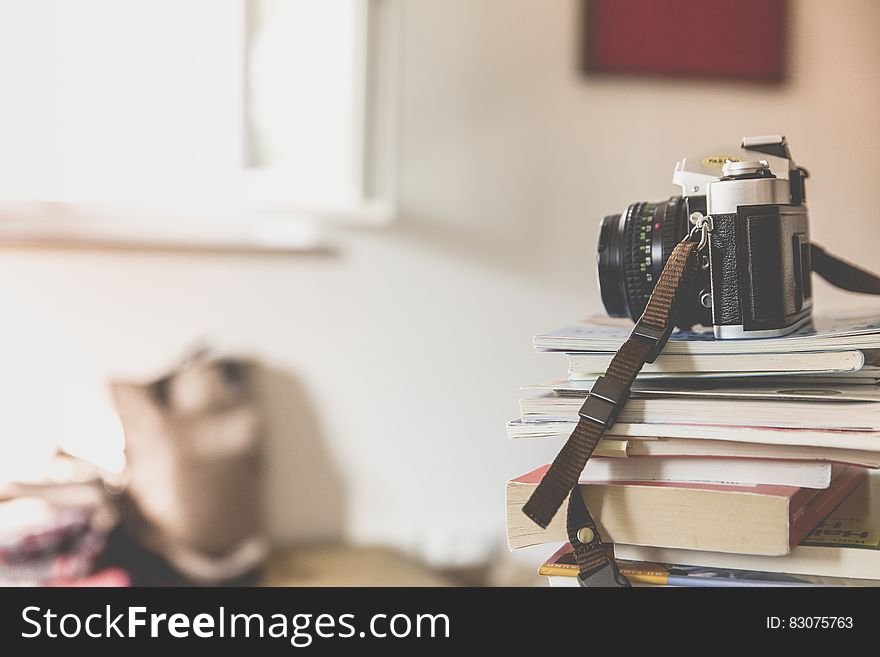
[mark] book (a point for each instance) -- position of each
(561, 570)
(762, 389)
(829, 333)
(855, 416)
(650, 446)
(697, 469)
(693, 516)
(586, 365)
(845, 544)
(550, 427)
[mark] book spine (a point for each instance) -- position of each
(809, 507)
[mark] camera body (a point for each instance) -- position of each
(755, 280)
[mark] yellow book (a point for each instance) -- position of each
(561, 571)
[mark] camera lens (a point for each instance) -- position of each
(633, 247)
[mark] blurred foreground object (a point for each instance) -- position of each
(54, 533)
(192, 448)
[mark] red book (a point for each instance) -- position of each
(760, 519)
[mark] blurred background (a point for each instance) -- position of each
(364, 209)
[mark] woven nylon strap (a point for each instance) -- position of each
(843, 274)
(560, 481)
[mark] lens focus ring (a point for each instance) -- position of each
(637, 261)
(634, 246)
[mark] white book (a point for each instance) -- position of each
(733, 471)
(557, 581)
(855, 416)
(620, 447)
(586, 365)
(864, 441)
(765, 389)
(835, 333)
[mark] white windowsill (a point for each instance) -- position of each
(281, 231)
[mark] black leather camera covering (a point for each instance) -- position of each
(760, 267)
(723, 268)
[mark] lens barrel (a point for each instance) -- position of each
(632, 250)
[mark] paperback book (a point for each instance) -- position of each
(691, 516)
(844, 544)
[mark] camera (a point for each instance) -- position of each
(754, 280)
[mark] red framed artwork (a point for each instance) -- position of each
(724, 39)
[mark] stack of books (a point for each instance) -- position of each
(735, 462)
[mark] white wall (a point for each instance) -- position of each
(397, 360)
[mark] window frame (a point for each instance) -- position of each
(268, 219)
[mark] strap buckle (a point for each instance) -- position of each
(604, 402)
(607, 576)
(657, 337)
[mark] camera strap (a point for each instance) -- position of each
(841, 273)
(604, 403)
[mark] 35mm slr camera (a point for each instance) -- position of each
(755, 280)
